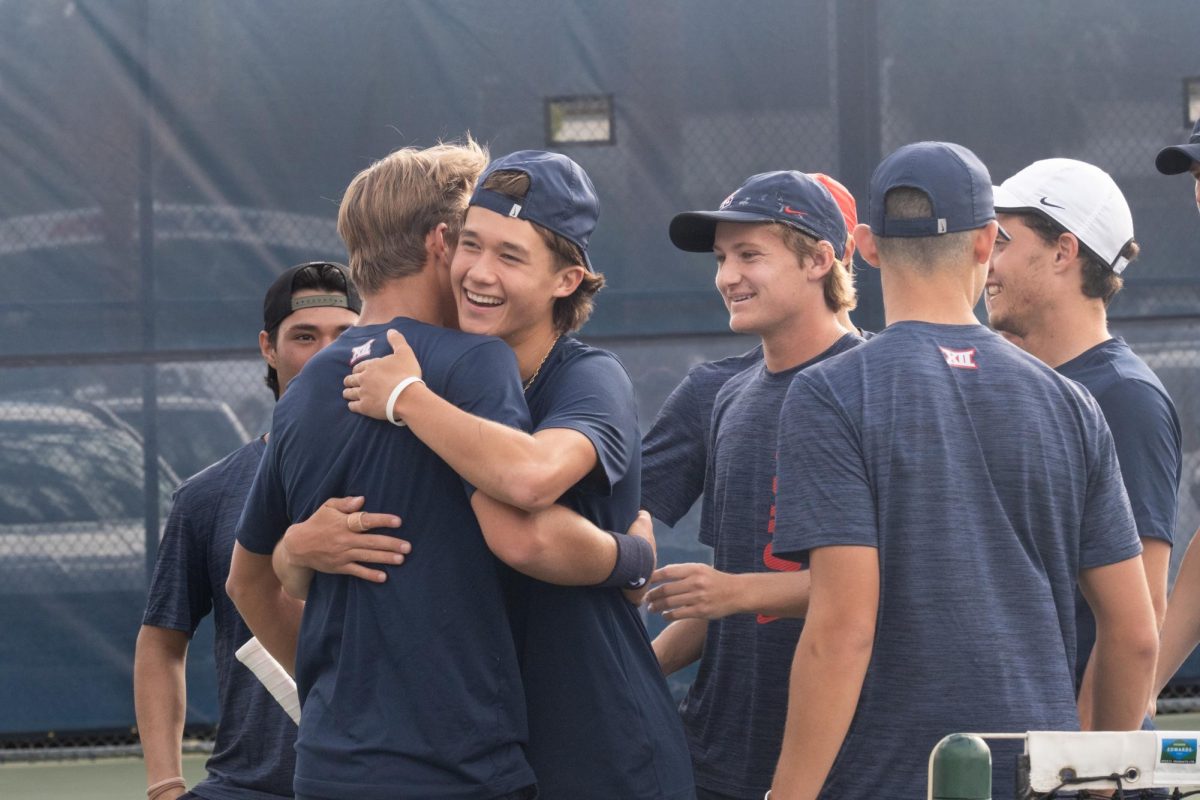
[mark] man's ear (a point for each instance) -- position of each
(1066, 250)
(984, 242)
(568, 280)
(820, 264)
(437, 245)
(868, 248)
(264, 347)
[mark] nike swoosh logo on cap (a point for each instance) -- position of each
(1046, 202)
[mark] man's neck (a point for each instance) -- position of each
(531, 348)
(804, 339)
(417, 297)
(1072, 331)
(943, 296)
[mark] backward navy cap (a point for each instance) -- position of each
(951, 176)
(561, 197)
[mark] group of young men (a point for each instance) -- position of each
(914, 533)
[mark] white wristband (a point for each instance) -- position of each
(395, 395)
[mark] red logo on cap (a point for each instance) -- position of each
(959, 359)
(794, 212)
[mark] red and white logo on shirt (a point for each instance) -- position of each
(959, 359)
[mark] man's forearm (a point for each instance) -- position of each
(680, 644)
(160, 699)
(502, 462)
(294, 578)
(556, 545)
(1122, 685)
(832, 669)
(775, 594)
(272, 616)
(829, 667)
(1181, 625)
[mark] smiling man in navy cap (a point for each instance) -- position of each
(602, 723)
(946, 488)
(780, 248)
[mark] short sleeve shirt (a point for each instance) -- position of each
(986, 482)
(1148, 438)
(735, 710)
(675, 449)
(252, 756)
(602, 722)
(414, 682)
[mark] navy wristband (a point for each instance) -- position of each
(635, 562)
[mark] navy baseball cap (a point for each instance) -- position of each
(278, 304)
(561, 196)
(1178, 158)
(787, 196)
(955, 180)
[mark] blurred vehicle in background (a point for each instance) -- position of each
(193, 432)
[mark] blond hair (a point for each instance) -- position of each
(571, 312)
(839, 281)
(391, 206)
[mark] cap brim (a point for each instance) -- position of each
(1005, 200)
(695, 231)
(1177, 158)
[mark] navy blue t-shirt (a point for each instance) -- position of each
(252, 757)
(409, 688)
(735, 711)
(1146, 431)
(675, 449)
(987, 482)
(602, 723)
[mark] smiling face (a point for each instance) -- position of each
(762, 281)
(505, 278)
(1018, 284)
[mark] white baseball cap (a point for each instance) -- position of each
(1081, 197)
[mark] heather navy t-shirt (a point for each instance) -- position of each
(409, 688)
(252, 756)
(735, 710)
(602, 723)
(675, 449)
(1146, 431)
(987, 482)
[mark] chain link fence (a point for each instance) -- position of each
(165, 161)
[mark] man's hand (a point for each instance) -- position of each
(334, 540)
(642, 526)
(694, 591)
(371, 383)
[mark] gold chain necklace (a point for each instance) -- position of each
(533, 377)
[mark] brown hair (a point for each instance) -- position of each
(391, 206)
(1099, 280)
(571, 312)
(839, 281)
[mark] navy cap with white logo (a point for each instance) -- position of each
(951, 176)
(1179, 157)
(787, 196)
(561, 197)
